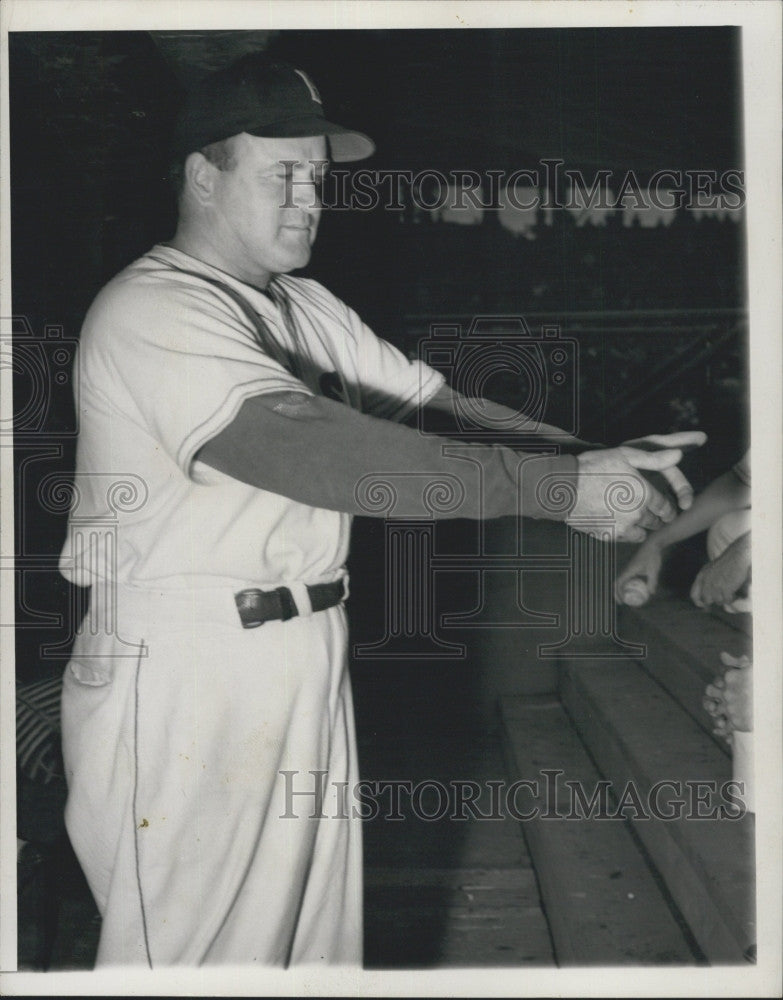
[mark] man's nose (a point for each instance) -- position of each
(303, 190)
(306, 194)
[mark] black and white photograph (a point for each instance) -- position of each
(391, 530)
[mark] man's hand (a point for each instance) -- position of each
(646, 563)
(609, 486)
(719, 581)
(684, 441)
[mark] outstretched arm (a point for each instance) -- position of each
(318, 452)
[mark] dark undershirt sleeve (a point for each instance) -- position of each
(322, 453)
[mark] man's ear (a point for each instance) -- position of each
(200, 177)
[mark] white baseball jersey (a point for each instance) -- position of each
(166, 362)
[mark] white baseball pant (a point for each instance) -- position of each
(174, 753)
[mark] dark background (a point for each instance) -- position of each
(90, 115)
(90, 118)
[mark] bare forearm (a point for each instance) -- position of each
(725, 494)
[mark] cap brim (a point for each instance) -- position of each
(346, 145)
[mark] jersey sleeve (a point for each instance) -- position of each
(392, 386)
(389, 385)
(177, 358)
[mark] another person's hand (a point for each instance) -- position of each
(685, 440)
(610, 486)
(715, 706)
(646, 564)
(738, 691)
(729, 698)
(719, 581)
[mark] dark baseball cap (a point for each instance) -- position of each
(265, 97)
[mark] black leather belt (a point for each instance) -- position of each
(258, 606)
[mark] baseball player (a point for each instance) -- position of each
(229, 412)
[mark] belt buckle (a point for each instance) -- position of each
(248, 603)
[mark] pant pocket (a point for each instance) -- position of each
(96, 659)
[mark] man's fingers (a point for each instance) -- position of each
(637, 504)
(680, 486)
(662, 453)
(653, 460)
(649, 521)
(632, 533)
(684, 439)
(680, 439)
(659, 506)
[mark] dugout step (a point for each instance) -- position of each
(683, 646)
(637, 732)
(602, 901)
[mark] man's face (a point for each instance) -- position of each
(265, 213)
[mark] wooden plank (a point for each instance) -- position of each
(459, 937)
(601, 899)
(636, 733)
(456, 916)
(684, 644)
(461, 889)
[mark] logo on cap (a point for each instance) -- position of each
(310, 86)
